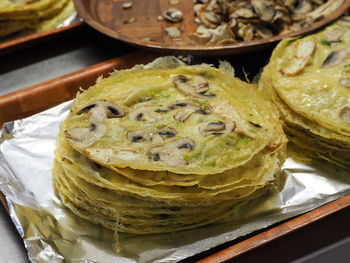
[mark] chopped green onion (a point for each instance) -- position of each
(325, 42)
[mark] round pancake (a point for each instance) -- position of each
(309, 75)
(248, 123)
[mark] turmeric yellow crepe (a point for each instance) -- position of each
(308, 79)
(32, 16)
(167, 147)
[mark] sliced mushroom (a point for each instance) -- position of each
(100, 110)
(173, 15)
(345, 82)
(305, 49)
(265, 10)
(173, 32)
(185, 110)
(334, 35)
(202, 35)
(145, 135)
(217, 128)
(345, 114)
(127, 5)
(242, 128)
(335, 58)
(85, 137)
(172, 152)
(166, 132)
(303, 7)
(256, 125)
(294, 66)
(301, 58)
(221, 35)
(196, 87)
(140, 135)
(244, 12)
(144, 113)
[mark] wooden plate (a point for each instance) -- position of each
(42, 96)
(109, 17)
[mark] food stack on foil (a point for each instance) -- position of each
(167, 147)
(35, 16)
(308, 79)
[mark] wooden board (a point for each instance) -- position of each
(32, 39)
(39, 97)
(109, 17)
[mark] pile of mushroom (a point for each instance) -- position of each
(227, 21)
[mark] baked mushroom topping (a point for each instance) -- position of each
(166, 132)
(217, 128)
(173, 15)
(335, 58)
(140, 135)
(185, 109)
(99, 111)
(85, 137)
(144, 113)
(345, 82)
(197, 87)
(148, 134)
(345, 114)
(301, 57)
(172, 152)
(334, 35)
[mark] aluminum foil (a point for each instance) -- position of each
(52, 233)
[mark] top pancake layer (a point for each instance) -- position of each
(186, 120)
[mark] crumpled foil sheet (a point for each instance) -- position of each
(52, 233)
(70, 20)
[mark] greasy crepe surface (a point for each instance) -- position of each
(316, 92)
(234, 101)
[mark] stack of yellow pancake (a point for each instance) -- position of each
(34, 15)
(308, 79)
(167, 147)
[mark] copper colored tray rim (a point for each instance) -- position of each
(58, 90)
(27, 41)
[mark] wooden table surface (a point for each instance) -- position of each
(71, 53)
